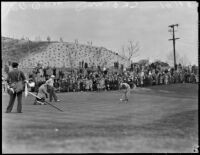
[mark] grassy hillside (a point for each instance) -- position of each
(58, 54)
(14, 49)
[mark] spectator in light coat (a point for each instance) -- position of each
(50, 87)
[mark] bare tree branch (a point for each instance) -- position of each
(183, 60)
(133, 50)
(61, 39)
(123, 50)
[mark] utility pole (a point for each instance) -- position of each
(174, 39)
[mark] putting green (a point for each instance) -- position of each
(152, 121)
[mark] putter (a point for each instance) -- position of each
(45, 101)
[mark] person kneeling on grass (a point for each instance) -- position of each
(125, 88)
(42, 93)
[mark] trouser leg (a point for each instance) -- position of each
(19, 106)
(11, 102)
(50, 95)
(125, 97)
(54, 94)
(49, 90)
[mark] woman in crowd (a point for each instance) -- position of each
(93, 81)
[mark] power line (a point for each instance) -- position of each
(187, 44)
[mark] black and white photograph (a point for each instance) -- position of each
(99, 77)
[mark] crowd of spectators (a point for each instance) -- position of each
(99, 80)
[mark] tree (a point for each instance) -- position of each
(183, 60)
(160, 63)
(133, 50)
(76, 41)
(48, 39)
(37, 38)
(22, 38)
(123, 51)
(61, 40)
(143, 62)
(89, 43)
(27, 39)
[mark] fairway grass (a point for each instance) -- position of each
(153, 121)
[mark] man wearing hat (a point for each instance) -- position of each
(51, 90)
(13, 77)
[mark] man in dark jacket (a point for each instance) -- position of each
(14, 76)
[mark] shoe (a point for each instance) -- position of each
(57, 100)
(20, 112)
(8, 112)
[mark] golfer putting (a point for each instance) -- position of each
(125, 89)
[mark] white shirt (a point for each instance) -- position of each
(126, 85)
(50, 82)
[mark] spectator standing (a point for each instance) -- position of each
(142, 79)
(161, 79)
(50, 87)
(14, 76)
(87, 83)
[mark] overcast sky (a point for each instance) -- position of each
(108, 24)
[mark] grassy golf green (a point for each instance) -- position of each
(156, 119)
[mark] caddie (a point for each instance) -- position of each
(15, 88)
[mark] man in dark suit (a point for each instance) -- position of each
(14, 76)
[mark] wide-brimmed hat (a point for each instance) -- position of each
(52, 76)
